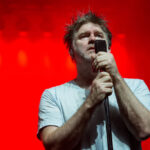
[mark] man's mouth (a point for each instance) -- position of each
(92, 48)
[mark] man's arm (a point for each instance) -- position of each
(135, 115)
(69, 135)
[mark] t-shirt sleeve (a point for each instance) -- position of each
(143, 94)
(49, 111)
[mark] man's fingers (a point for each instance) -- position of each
(103, 76)
(101, 66)
(97, 60)
(108, 91)
(108, 85)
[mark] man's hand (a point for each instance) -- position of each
(100, 88)
(105, 61)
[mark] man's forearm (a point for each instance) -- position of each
(69, 135)
(135, 115)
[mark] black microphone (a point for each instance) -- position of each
(100, 45)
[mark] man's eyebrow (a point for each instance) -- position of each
(99, 32)
(88, 32)
(85, 32)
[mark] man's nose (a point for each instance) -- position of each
(92, 38)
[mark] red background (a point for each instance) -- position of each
(33, 56)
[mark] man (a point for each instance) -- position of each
(72, 116)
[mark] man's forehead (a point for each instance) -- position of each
(89, 27)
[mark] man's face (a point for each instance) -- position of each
(83, 42)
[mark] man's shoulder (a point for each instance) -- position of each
(133, 80)
(65, 86)
(57, 91)
(134, 83)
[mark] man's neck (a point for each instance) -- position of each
(85, 75)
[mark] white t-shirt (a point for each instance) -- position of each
(59, 103)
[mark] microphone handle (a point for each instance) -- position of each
(108, 124)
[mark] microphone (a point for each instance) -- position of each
(100, 45)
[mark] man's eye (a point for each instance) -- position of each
(100, 35)
(83, 36)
